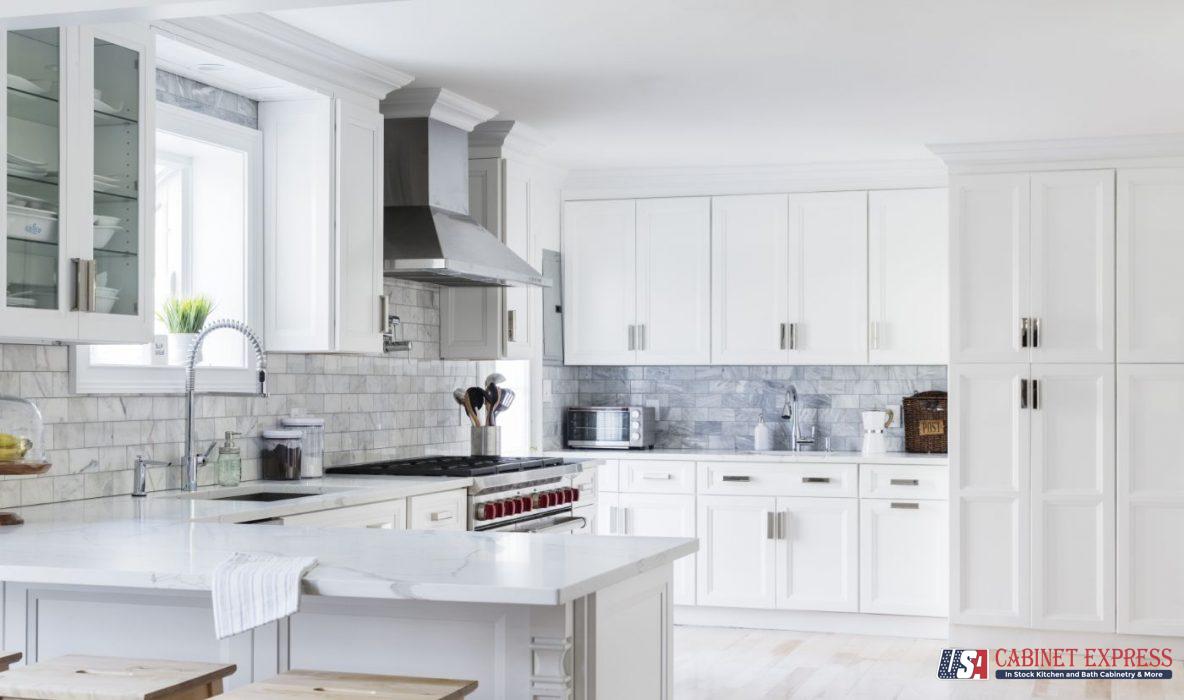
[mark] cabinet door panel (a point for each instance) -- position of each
(674, 280)
(989, 275)
(607, 510)
(749, 279)
(908, 276)
(1072, 290)
(903, 551)
(818, 554)
(989, 460)
(599, 278)
(517, 320)
(470, 327)
(736, 551)
(1150, 499)
(359, 229)
(828, 277)
(1073, 497)
(649, 515)
(1150, 247)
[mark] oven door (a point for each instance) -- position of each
(564, 522)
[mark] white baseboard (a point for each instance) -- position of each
(814, 621)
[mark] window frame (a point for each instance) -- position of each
(86, 378)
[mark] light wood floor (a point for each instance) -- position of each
(738, 664)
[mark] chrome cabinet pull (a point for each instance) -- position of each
(782, 525)
(384, 310)
(632, 337)
(657, 475)
(770, 527)
(904, 506)
(1035, 394)
(1025, 326)
(905, 482)
(641, 337)
(783, 337)
(1035, 332)
(815, 479)
(612, 520)
(735, 477)
(873, 331)
(512, 325)
(793, 336)
(1023, 393)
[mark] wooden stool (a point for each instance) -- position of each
(328, 685)
(8, 658)
(104, 678)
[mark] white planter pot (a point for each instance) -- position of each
(179, 347)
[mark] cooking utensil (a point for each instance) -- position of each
(504, 401)
(492, 396)
(495, 378)
(474, 400)
(459, 395)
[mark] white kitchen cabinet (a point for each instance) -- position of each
(387, 515)
(674, 281)
(1150, 246)
(817, 561)
(908, 277)
(1072, 467)
(749, 279)
(903, 552)
(78, 113)
(1150, 487)
(322, 226)
(447, 510)
(662, 515)
(495, 323)
(607, 514)
(737, 551)
(1032, 275)
(599, 275)
(989, 463)
(828, 278)
(637, 282)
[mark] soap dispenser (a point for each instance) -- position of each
(230, 461)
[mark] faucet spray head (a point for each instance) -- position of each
(791, 397)
(263, 382)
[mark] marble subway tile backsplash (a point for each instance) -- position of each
(374, 406)
(718, 407)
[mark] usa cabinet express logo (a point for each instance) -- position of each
(1090, 663)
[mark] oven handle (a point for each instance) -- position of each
(563, 526)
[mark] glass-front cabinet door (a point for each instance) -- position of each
(117, 294)
(77, 112)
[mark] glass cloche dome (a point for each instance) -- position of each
(20, 431)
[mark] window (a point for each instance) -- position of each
(208, 231)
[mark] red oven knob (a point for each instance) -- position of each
(556, 498)
(513, 507)
(526, 504)
(548, 499)
(575, 494)
(499, 509)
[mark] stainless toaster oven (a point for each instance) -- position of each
(610, 427)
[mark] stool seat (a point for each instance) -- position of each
(105, 678)
(328, 685)
(8, 658)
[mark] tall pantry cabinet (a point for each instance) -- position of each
(1064, 399)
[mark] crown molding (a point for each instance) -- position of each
(437, 103)
(986, 156)
(503, 137)
(761, 179)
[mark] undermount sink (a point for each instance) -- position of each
(261, 493)
(264, 496)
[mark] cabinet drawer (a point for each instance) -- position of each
(439, 511)
(784, 479)
(657, 476)
(903, 481)
(387, 515)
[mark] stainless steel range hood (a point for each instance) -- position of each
(428, 235)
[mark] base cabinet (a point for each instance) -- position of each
(903, 551)
(661, 515)
(817, 554)
(737, 552)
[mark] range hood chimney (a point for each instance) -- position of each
(428, 235)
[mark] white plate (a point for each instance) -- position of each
(106, 220)
(109, 109)
(26, 162)
(24, 302)
(16, 81)
(104, 234)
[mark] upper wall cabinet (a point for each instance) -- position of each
(1150, 248)
(908, 277)
(637, 278)
(322, 226)
(78, 111)
(1031, 267)
(789, 279)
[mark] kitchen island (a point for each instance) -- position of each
(526, 615)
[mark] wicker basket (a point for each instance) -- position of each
(926, 424)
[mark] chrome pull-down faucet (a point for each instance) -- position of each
(790, 412)
(192, 460)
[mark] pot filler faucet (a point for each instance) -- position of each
(789, 412)
(192, 460)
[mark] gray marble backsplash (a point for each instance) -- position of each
(718, 407)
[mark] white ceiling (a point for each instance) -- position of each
(624, 83)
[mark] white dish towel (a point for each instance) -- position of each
(251, 589)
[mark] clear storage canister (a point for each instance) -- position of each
(312, 443)
(282, 455)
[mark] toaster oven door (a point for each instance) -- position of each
(597, 428)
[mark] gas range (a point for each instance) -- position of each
(522, 494)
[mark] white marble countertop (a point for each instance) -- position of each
(507, 568)
(336, 492)
(753, 456)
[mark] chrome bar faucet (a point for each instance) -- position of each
(140, 474)
(192, 459)
(790, 412)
